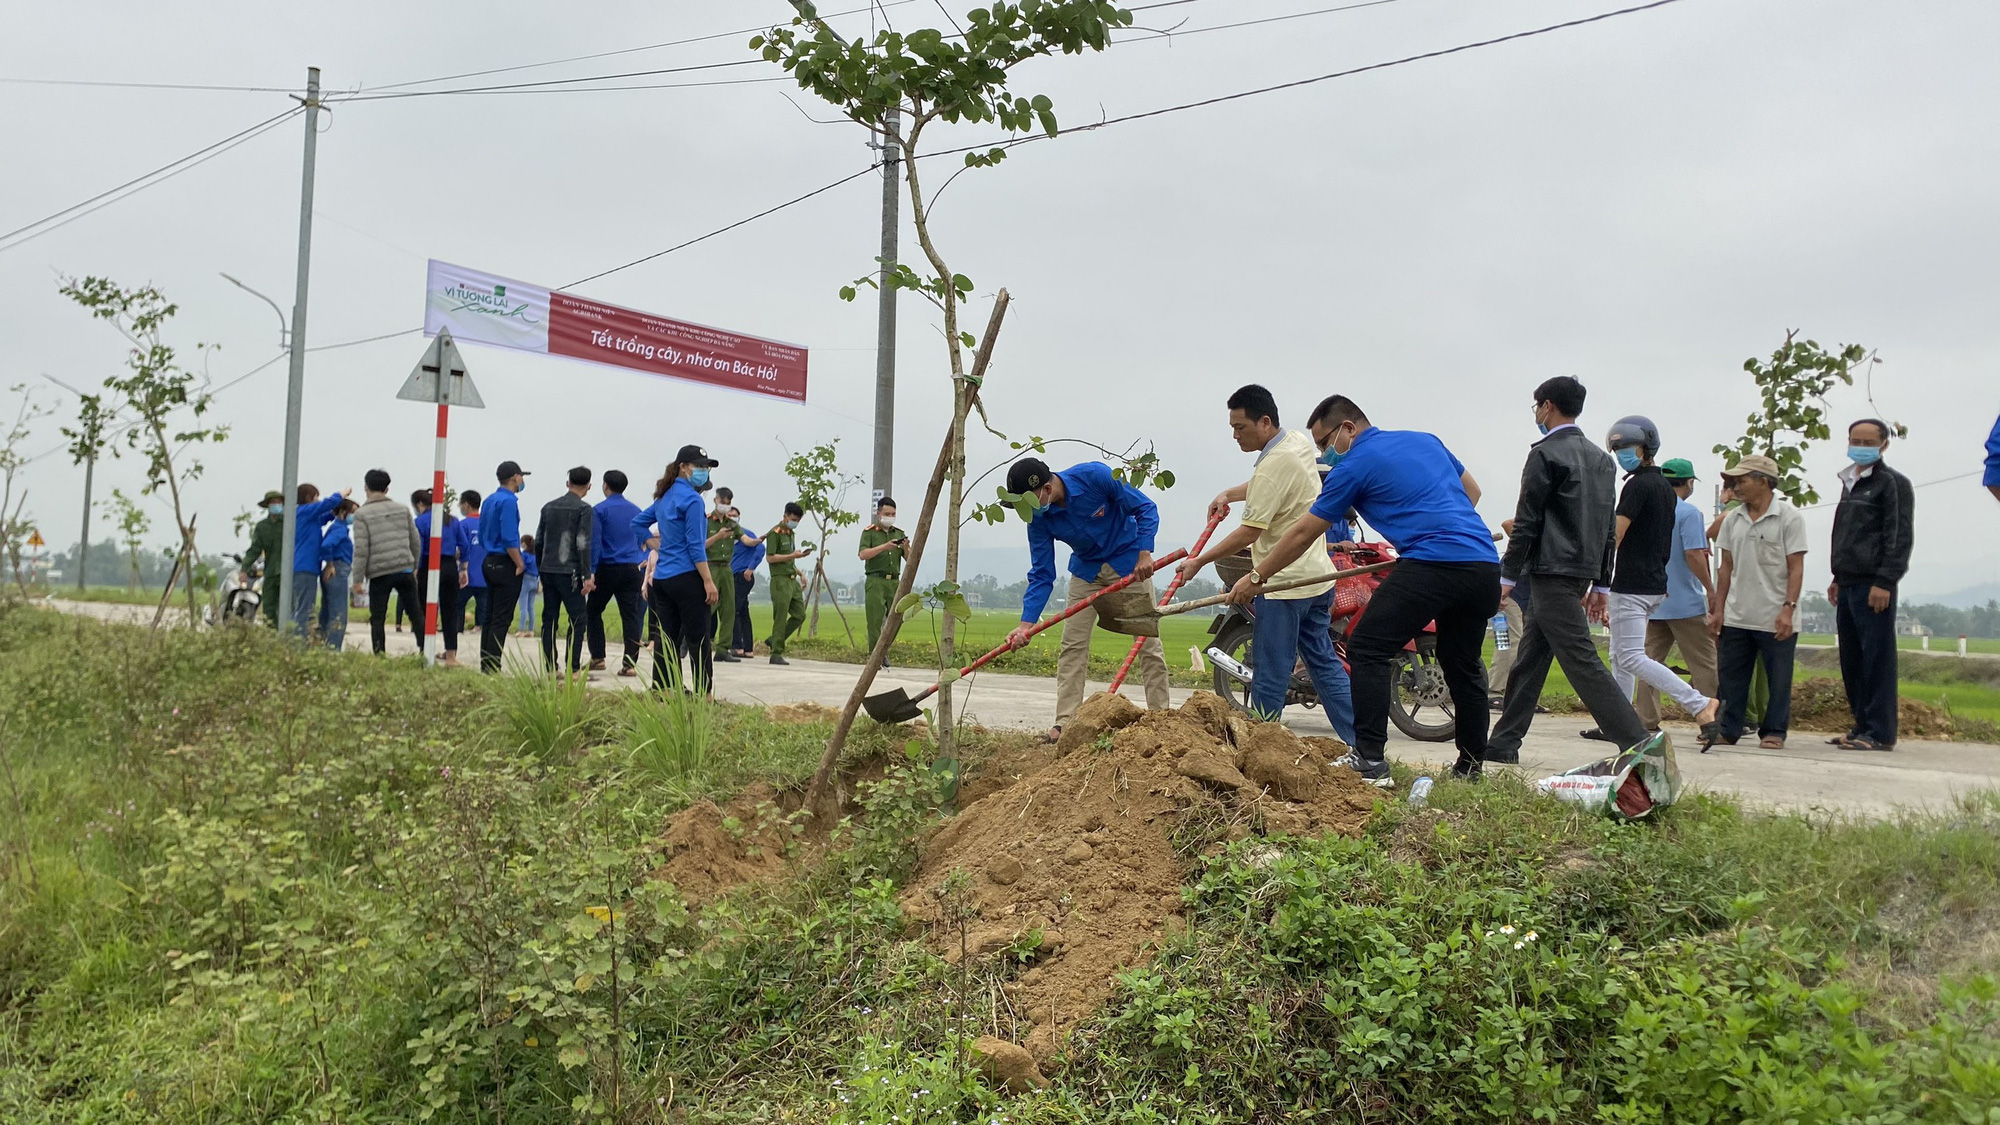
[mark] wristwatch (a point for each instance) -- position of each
(1791, 605)
(1256, 579)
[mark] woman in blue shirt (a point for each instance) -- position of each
(682, 594)
(336, 557)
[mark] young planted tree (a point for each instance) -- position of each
(898, 86)
(15, 526)
(133, 524)
(165, 400)
(1793, 384)
(821, 489)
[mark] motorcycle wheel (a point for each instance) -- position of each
(1419, 703)
(1233, 642)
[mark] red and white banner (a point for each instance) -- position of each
(484, 309)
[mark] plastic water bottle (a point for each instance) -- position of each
(1420, 792)
(1499, 632)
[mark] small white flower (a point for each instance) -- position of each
(1489, 933)
(1531, 935)
(1506, 929)
(1520, 944)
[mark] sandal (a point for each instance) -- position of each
(1844, 741)
(1711, 733)
(1863, 742)
(1772, 742)
(1594, 735)
(1054, 735)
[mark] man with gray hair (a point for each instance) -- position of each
(1763, 545)
(1872, 532)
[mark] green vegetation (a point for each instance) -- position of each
(240, 882)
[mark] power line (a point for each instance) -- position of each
(570, 89)
(158, 175)
(723, 230)
(621, 51)
(551, 81)
(1253, 23)
(1350, 72)
(150, 85)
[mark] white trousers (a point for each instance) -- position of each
(1629, 662)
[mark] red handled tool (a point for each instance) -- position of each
(1214, 522)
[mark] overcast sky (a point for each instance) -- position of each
(1642, 202)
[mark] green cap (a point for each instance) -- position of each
(1680, 468)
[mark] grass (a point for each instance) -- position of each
(244, 882)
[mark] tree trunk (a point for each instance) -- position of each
(816, 792)
(948, 633)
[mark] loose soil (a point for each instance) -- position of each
(1090, 852)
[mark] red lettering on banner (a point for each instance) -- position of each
(584, 329)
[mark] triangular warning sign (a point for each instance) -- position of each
(440, 377)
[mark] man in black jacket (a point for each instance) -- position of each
(565, 539)
(1872, 531)
(1563, 538)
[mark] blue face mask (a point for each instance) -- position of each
(698, 478)
(1863, 454)
(1628, 459)
(276, 509)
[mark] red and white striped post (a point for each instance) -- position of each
(435, 558)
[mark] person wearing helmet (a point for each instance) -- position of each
(1644, 534)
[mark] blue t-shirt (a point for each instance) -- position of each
(500, 521)
(1993, 456)
(338, 545)
(614, 542)
(681, 523)
(1105, 522)
(746, 558)
(472, 551)
(530, 569)
(447, 547)
(312, 520)
(1405, 484)
(1685, 595)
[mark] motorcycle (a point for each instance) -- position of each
(240, 599)
(1419, 704)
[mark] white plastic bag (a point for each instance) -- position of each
(1626, 786)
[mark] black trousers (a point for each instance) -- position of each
(1557, 630)
(1868, 661)
(562, 592)
(1737, 652)
(1462, 598)
(404, 585)
(746, 640)
(623, 582)
(503, 598)
(448, 622)
(680, 622)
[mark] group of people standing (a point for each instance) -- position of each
(1580, 550)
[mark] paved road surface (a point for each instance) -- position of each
(1806, 775)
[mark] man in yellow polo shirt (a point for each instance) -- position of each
(1291, 625)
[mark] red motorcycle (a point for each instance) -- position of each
(1419, 703)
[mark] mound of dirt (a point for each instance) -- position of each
(1101, 713)
(807, 712)
(709, 849)
(1084, 850)
(1819, 703)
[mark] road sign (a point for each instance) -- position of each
(426, 385)
(35, 539)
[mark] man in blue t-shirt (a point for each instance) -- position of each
(1683, 618)
(1416, 495)
(503, 567)
(616, 565)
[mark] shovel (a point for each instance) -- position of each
(1275, 587)
(898, 706)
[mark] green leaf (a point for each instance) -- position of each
(957, 606)
(1025, 508)
(909, 602)
(847, 292)
(1165, 478)
(572, 1057)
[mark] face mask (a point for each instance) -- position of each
(1628, 459)
(276, 509)
(1539, 424)
(347, 519)
(888, 522)
(1863, 454)
(1333, 456)
(699, 478)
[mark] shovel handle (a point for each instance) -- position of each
(1079, 607)
(1173, 587)
(1218, 599)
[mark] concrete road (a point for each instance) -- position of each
(1806, 775)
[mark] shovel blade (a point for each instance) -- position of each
(892, 706)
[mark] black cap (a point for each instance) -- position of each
(579, 476)
(1027, 475)
(509, 469)
(697, 456)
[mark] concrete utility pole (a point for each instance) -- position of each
(295, 389)
(885, 319)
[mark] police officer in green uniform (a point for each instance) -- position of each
(788, 601)
(723, 535)
(267, 541)
(882, 548)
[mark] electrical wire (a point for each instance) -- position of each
(546, 82)
(152, 85)
(626, 50)
(158, 175)
(572, 89)
(1348, 73)
(723, 230)
(1253, 23)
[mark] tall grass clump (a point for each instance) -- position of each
(668, 735)
(540, 713)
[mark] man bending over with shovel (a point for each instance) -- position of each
(1109, 527)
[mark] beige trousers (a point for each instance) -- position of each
(1503, 662)
(1697, 650)
(1073, 661)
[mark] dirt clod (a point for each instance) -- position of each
(1004, 870)
(1100, 714)
(1007, 1065)
(1277, 761)
(710, 849)
(807, 712)
(1213, 767)
(1078, 852)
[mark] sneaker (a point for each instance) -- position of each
(1374, 771)
(779, 660)
(1503, 757)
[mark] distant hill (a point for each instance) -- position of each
(1969, 598)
